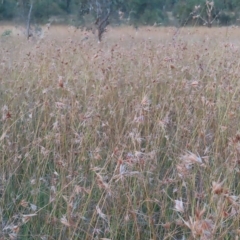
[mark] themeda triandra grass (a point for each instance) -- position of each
(133, 138)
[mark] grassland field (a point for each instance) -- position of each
(136, 137)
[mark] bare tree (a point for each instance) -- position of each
(102, 23)
(101, 10)
(29, 34)
(209, 19)
(209, 11)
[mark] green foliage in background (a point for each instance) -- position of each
(8, 9)
(225, 11)
(6, 33)
(136, 12)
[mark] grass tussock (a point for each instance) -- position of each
(134, 138)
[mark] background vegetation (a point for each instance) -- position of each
(137, 12)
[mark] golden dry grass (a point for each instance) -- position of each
(133, 138)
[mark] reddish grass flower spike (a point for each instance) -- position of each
(167, 225)
(60, 82)
(200, 228)
(217, 188)
(8, 115)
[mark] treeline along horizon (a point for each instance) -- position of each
(135, 12)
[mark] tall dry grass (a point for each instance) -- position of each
(134, 138)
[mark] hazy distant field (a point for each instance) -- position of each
(137, 137)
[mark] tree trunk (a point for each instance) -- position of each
(68, 4)
(28, 21)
